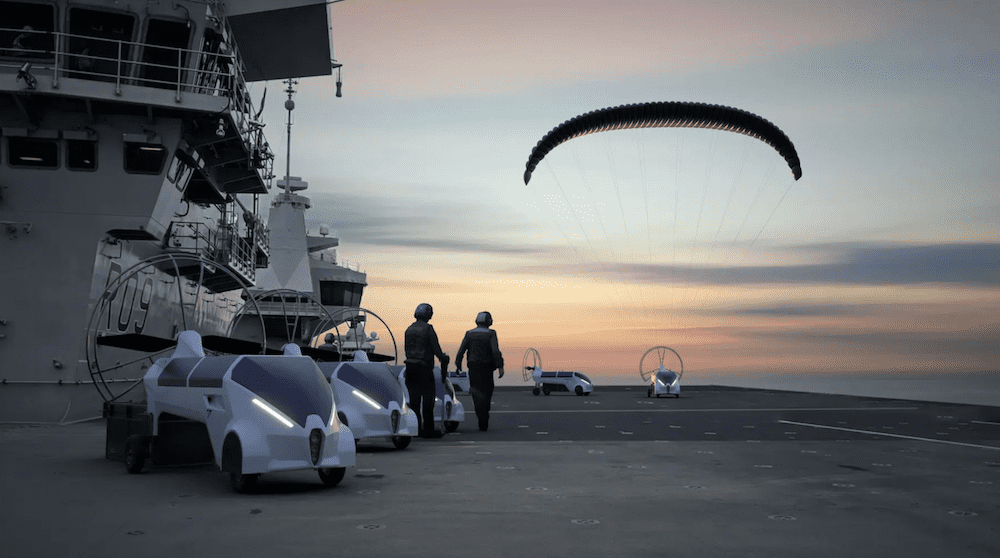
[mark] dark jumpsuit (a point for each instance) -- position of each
(421, 346)
(484, 358)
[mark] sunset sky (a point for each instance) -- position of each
(884, 257)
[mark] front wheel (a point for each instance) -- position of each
(333, 476)
(536, 391)
(401, 442)
(579, 391)
(451, 425)
(135, 454)
(243, 483)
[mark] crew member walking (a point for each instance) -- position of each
(421, 346)
(484, 358)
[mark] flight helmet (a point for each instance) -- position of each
(484, 319)
(423, 312)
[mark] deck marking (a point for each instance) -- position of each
(709, 410)
(890, 435)
(986, 422)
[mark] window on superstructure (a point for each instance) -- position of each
(145, 158)
(26, 30)
(179, 173)
(340, 293)
(164, 53)
(32, 152)
(81, 154)
(102, 41)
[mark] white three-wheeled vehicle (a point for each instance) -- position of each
(262, 413)
(660, 373)
(547, 382)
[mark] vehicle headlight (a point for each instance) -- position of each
(366, 399)
(659, 381)
(269, 409)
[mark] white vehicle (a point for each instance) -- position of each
(261, 413)
(662, 380)
(447, 408)
(371, 399)
(459, 380)
(546, 382)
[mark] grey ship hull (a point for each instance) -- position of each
(718, 472)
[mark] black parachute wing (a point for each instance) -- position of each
(670, 114)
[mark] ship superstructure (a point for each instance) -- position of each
(127, 131)
(303, 291)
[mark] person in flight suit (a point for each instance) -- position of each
(484, 358)
(421, 346)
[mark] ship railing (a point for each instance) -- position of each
(224, 246)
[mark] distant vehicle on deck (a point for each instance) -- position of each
(546, 382)
(662, 380)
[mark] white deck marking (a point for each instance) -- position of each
(709, 410)
(890, 435)
(986, 422)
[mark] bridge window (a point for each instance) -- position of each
(26, 30)
(160, 66)
(32, 152)
(101, 37)
(145, 158)
(340, 293)
(81, 154)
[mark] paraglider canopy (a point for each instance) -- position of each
(667, 115)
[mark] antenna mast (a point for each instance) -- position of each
(289, 106)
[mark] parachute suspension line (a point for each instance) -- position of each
(621, 208)
(607, 241)
(756, 198)
(614, 181)
(673, 237)
(701, 208)
(773, 211)
(551, 219)
(725, 211)
(645, 203)
(565, 236)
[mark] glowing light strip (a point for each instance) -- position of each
(273, 412)
(367, 399)
(889, 435)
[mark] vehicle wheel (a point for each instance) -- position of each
(451, 425)
(657, 395)
(546, 391)
(536, 391)
(579, 391)
(333, 476)
(677, 396)
(401, 442)
(243, 483)
(649, 392)
(135, 454)
(587, 393)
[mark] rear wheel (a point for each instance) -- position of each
(546, 391)
(401, 442)
(243, 483)
(135, 454)
(536, 391)
(332, 476)
(451, 425)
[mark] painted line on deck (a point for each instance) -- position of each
(706, 410)
(986, 422)
(889, 435)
